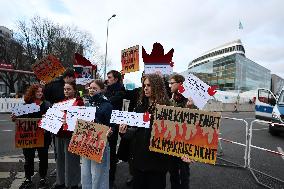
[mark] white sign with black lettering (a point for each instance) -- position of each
(52, 120)
(79, 112)
(130, 118)
(25, 109)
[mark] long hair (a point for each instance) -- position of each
(158, 89)
(30, 93)
(74, 86)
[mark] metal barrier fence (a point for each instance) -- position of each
(248, 146)
(238, 143)
(263, 149)
(6, 104)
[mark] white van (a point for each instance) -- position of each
(270, 108)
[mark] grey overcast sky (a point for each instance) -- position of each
(190, 27)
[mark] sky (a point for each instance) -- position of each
(191, 27)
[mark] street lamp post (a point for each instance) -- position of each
(106, 45)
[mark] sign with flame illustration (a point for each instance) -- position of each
(48, 68)
(182, 131)
(89, 140)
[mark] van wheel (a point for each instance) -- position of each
(272, 131)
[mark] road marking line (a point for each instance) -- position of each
(281, 151)
(7, 130)
(260, 129)
(8, 159)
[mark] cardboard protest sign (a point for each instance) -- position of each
(130, 118)
(23, 109)
(52, 120)
(48, 68)
(195, 88)
(157, 61)
(79, 112)
(89, 140)
(130, 59)
(28, 134)
(182, 131)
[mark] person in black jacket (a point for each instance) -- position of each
(149, 168)
(34, 94)
(115, 93)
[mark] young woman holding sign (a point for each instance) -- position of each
(34, 95)
(96, 175)
(149, 168)
(67, 164)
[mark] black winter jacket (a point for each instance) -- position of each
(104, 108)
(143, 158)
(115, 93)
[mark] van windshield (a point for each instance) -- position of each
(281, 98)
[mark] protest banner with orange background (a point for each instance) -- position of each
(89, 140)
(28, 134)
(182, 131)
(130, 59)
(48, 68)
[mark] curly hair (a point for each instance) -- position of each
(30, 93)
(158, 89)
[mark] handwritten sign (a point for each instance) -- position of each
(163, 69)
(83, 81)
(79, 112)
(129, 118)
(53, 120)
(28, 134)
(48, 68)
(64, 105)
(196, 89)
(130, 59)
(25, 109)
(89, 140)
(182, 131)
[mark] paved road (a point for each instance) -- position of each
(202, 175)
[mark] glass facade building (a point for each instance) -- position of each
(232, 72)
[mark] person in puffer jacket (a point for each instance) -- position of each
(96, 175)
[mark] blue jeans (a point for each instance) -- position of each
(96, 175)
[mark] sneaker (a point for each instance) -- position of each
(129, 181)
(42, 183)
(26, 184)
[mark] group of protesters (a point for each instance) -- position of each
(148, 169)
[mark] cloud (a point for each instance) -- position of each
(190, 27)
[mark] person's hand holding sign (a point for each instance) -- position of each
(186, 159)
(122, 128)
(189, 103)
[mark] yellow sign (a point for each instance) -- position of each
(182, 131)
(130, 59)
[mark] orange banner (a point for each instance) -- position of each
(130, 59)
(182, 131)
(48, 68)
(28, 134)
(89, 140)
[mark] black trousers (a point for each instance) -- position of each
(29, 154)
(179, 174)
(113, 156)
(149, 179)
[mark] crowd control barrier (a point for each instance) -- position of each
(6, 104)
(280, 183)
(221, 153)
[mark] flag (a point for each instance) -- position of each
(241, 26)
